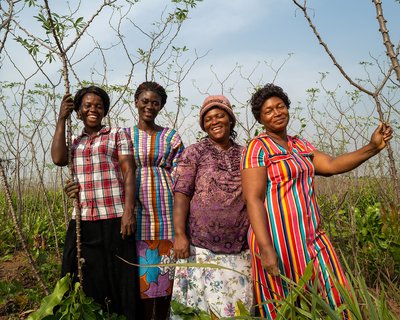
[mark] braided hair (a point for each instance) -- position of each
(153, 87)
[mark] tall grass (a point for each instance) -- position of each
(304, 302)
(360, 218)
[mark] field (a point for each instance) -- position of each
(361, 220)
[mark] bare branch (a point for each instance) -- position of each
(303, 8)
(386, 38)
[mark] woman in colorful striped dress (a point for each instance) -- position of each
(156, 152)
(278, 184)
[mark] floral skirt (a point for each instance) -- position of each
(215, 290)
(155, 281)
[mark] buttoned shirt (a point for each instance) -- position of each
(97, 170)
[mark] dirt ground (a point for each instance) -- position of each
(16, 269)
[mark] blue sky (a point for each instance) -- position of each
(251, 31)
(252, 34)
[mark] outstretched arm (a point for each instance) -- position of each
(180, 213)
(253, 184)
(59, 151)
(327, 165)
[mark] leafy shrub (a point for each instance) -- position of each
(69, 302)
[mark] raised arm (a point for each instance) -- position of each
(59, 151)
(180, 213)
(327, 165)
(253, 184)
(128, 221)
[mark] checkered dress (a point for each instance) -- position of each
(98, 173)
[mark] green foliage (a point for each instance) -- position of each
(51, 301)
(9, 289)
(378, 238)
(190, 313)
(305, 302)
(187, 313)
(363, 224)
(7, 239)
(69, 302)
(358, 220)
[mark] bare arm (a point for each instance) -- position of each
(326, 165)
(128, 221)
(59, 151)
(253, 184)
(180, 213)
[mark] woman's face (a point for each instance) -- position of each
(149, 105)
(274, 115)
(92, 112)
(217, 125)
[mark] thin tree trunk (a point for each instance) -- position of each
(18, 229)
(63, 58)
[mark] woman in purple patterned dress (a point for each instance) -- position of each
(210, 218)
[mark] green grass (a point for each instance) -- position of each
(360, 219)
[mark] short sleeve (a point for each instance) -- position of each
(253, 155)
(177, 147)
(124, 142)
(302, 145)
(308, 145)
(186, 171)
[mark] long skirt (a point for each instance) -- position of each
(269, 288)
(157, 281)
(106, 278)
(215, 290)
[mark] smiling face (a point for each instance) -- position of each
(149, 105)
(92, 112)
(274, 115)
(217, 125)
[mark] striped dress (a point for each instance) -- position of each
(155, 157)
(293, 222)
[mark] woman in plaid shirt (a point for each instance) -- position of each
(104, 169)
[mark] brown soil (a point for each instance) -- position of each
(12, 268)
(16, 269)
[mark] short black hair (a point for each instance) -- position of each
(153, 87)
(95, 90)
(262, 94)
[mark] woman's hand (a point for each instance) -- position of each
(128, 224)
(269, 260)
(381, 136)
(67, 106)
(181, 246)
(71, 189)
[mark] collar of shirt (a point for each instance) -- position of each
(103, 130)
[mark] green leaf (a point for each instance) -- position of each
(241, 309)
(52, 300)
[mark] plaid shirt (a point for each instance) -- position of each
(98, 173)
